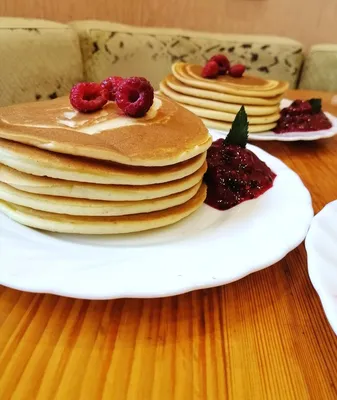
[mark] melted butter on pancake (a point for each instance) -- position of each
(70, 114)
(121, 120)
(166, 135)
(110, 117)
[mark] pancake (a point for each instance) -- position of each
(44, 163)
(217, 101)
(225, 126)
(71, 206)
(102, 225)
(168, 134)
(227, 117)
(251, 86)
(57, 187)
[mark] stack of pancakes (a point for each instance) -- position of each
(218, 100)
(100, 173)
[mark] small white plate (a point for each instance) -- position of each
(321, 246)
(209, 248)
(292, 136)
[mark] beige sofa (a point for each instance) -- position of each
(43, 59)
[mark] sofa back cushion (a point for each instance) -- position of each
(39, 60)
(115, 49)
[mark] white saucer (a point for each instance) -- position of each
(292, 136)
(209, 248)
(321, 246)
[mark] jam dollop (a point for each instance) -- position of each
(299, 117)
(234, 174)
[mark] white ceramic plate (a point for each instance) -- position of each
(293, 136)
(209, 248)
(321, 245)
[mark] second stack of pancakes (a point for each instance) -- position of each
(218, 100)
(102, 173)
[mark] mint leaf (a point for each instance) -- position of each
(316, 105)
(238, 134)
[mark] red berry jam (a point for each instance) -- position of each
(234, 175)
(299, 117)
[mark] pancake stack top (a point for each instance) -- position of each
(100, 173)
(218, 100)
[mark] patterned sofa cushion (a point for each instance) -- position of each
(109, 48)
(319, 71)
(39, 60)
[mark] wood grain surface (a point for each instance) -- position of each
(317, 22)
(263, 337)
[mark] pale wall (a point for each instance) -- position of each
(309, 21)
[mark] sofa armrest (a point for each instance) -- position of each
(320, 68)
(39, 60)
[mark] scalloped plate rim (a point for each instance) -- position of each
(59, 284)
(328, 300)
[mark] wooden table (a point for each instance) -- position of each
(263, 337)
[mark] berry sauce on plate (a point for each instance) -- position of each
(234, 175)
(299, 117)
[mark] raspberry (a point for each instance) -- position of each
(223, 63)
(134, 96)
(236, 71)
(87, 97)
(210, 70)
(111, 84)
